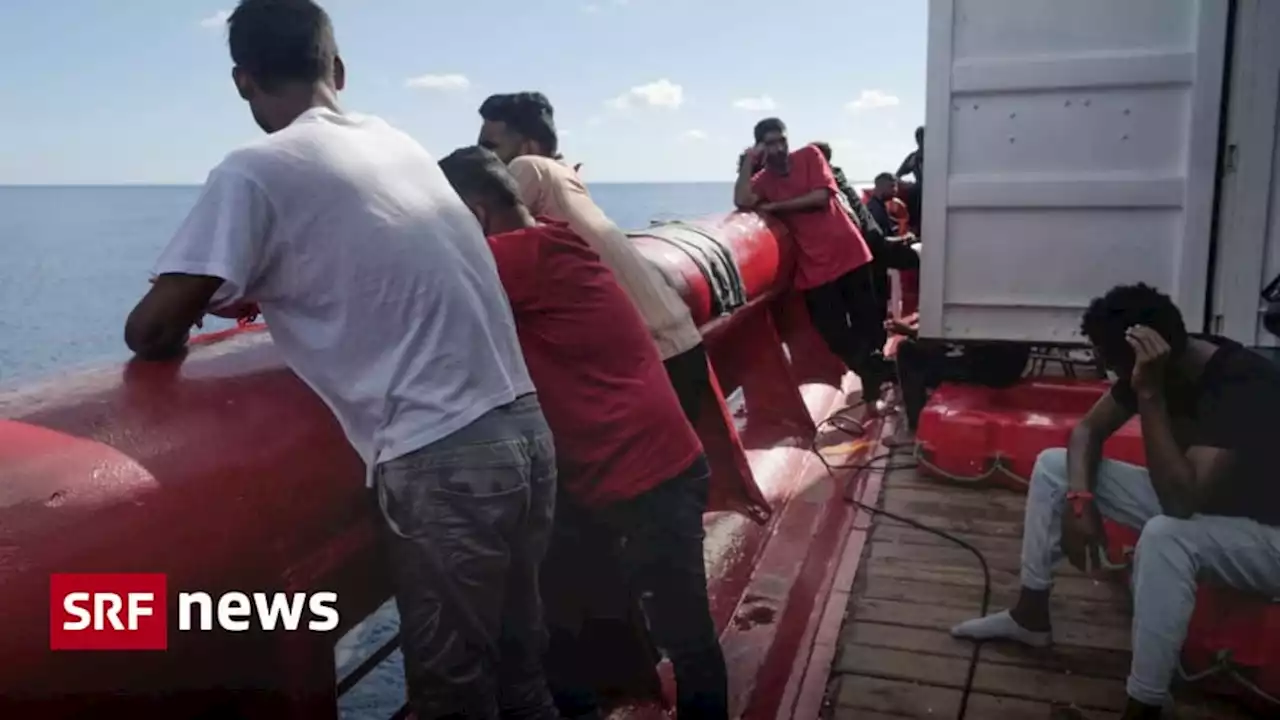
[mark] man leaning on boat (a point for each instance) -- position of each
(834, 268)
(633, 476)
(520, 129)
(382, 295)
(1208, 503)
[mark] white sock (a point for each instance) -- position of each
(1000, 626)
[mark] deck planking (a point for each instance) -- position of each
(896, 658)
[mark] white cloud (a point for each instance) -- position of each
(763, 103)
(217, 20)
(659, 93)
(693, 135)
(450, 81)
(591, 8)
(594, 121)
(872, 100)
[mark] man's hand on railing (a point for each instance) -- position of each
(244, 312)
(898, 327)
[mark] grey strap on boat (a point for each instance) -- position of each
(714, 260)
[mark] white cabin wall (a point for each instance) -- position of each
(1248, 248)
(1070, 147)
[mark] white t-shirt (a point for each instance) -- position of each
(374, 278)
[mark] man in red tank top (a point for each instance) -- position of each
(631, 469)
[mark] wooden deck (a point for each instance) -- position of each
(896, 658)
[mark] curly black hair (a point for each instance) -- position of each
(1110, 317)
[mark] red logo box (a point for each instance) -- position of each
(108, 611)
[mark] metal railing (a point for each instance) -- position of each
(361, 671)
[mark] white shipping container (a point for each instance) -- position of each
(1247, 244)
(1070, 147)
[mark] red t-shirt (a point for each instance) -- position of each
(619, 429)
(829, 243)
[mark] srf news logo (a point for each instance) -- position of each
(130, 611)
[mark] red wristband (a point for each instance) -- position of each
(1079, 499)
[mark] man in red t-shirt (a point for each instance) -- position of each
(833, 268)
(631, 469)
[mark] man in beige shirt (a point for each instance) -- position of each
(520, 129)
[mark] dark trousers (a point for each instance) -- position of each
(848, 315)
(690, 378)
(468, 521)
(657, 538)
(914, 200)
(887, 255)
(923, 365)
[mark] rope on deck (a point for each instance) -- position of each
(997, 467)
(1223, 665)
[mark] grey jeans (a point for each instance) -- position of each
(468, 520)
(1172, 554)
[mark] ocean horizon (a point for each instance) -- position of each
(4, 186)
(78, 257)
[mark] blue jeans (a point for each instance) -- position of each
(1172, 554)
(468, 519)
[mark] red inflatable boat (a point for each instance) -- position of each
(224, 472)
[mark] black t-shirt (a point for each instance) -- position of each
(1232, 406)
(876, 207)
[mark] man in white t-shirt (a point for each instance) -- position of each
(381, 293)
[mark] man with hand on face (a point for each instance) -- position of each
(885, 190)
(520, 129)
(382, 295)
(631, 470)
(1208, 503)
(834, 268)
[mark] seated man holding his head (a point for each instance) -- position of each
(1208, 503)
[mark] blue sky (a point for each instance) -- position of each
(139, 91)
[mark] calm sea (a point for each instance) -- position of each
(74, 260)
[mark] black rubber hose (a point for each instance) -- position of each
(835, 421)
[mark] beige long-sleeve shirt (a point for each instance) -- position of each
(553, 190)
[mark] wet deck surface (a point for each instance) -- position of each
(897, 660)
